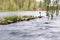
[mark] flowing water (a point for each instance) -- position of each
(22, 13)
(36, 29)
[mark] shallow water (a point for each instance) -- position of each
(35, 29)
(22, 13)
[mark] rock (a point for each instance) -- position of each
(28, 19)
(14, 33)
(40, 16)
(46, 23)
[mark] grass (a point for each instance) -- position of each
(13, 19)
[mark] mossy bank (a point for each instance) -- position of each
(13, 19)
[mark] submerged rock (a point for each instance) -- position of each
(40, 16)
(14, 33)
(47, 23)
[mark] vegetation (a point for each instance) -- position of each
(17, 5)
(22, 5)
(47, 2)
(51, 8)
(42, 5)
(13, 19)
(30, 5)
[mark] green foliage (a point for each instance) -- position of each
(47, 1)
(27, 16)
(13, 19)
(17, 5)
(42, 5)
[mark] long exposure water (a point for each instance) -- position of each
(22, 13)
(36, 29)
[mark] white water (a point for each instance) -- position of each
(22, 13)
(32, 30)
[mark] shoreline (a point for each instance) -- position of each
(13, 19)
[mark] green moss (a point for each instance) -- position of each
(13, 19)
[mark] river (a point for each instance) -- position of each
(22, 13)
(36, 29)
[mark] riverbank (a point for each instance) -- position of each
(13, 19)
